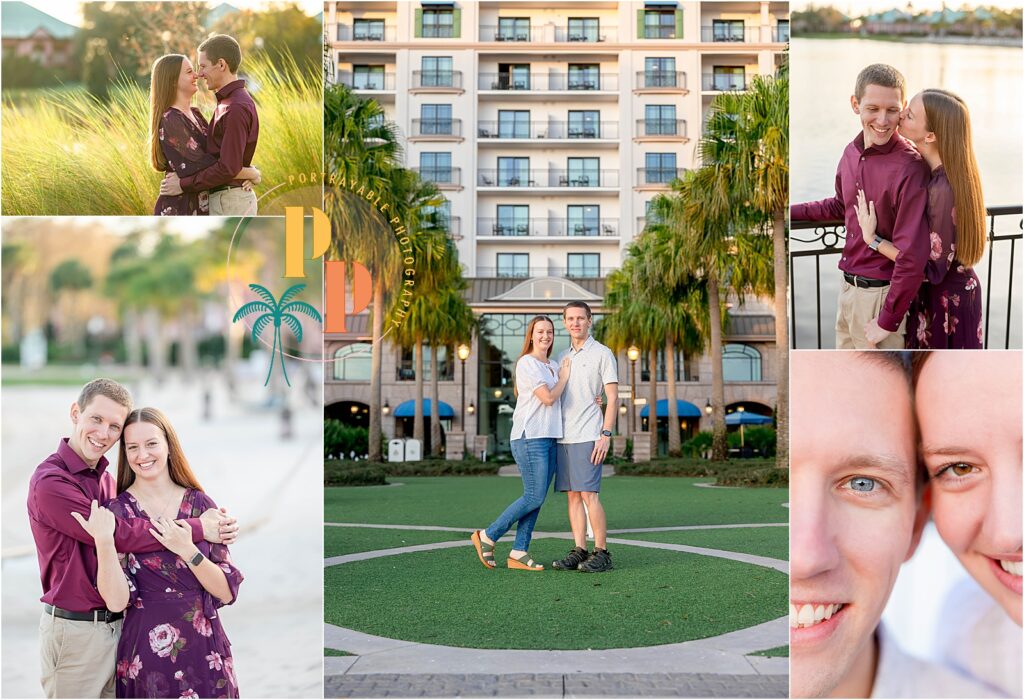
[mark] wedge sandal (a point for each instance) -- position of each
(524, 563)
(483, 550)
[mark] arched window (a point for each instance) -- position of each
(352, 363)
(741, 363)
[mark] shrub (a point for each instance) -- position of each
(735, 472)
(696, 445)
(762, 440)
(338, 473)
(342, 440)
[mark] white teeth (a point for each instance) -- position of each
(1011, 567)
(94, 443)
(808, 615)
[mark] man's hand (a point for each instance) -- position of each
(219, 527)
(170, 185)
(600, 450)
(100, 523)
(875, 333)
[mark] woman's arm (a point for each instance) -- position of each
(549, 396)
(868, 225)
(175, 535)
(110, 579)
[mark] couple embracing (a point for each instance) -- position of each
(132, 571)
(208, 165)
(909, 192)
(559, 432)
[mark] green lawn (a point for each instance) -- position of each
(336, 652)
(764, 541)
(776, 651)
(348, 540)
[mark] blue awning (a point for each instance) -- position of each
(746, 418)
(406, 409)
(685, 409)
(660, 3)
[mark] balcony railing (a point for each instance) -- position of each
(441, 175)
(658, 176)
(548, 178)
(583, 272)
(824, 239)
(728, 34)
(437, 79)
(438, 31)
(573, 35)
(665, 32)
(547, 130)
(360, 32)
(724, 82)
(496, 33)
(549, 81)
(437, 127)
(547, 227)
(660, 79)
(367, 81)
(661, 127)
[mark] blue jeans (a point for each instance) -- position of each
(536, 460)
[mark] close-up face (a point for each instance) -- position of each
(209, 70)
(576, 322)
(852, 512)
(879, 111)
(187, 78)
(969, 409)
(145, 447)
(543, 335)
(96, 427)
(914, 122)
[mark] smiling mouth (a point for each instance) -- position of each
(1011, 567)
(97, 445)
(811, 614)
(146, 465)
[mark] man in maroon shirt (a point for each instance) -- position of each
(78, 635)
(876, 292)
(234, 131)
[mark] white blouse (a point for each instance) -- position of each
(532, 419)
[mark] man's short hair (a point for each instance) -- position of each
(104, 387)
(221, 46)
(578, 305)
(883, 75)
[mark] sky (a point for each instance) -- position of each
(71, 12)
(853, 8)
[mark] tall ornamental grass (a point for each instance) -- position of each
(67, 153)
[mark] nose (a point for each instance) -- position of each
(1000, 529)
(813, 548)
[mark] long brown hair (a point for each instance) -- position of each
(177, 464)
(163, 89)
(528, 343)
(947, 117)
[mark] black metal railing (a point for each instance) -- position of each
(826, 239)
(660, 79)
(723, 82)
(547, 227)
(441, 175)
(437, 79)
(547, 130)
(549, 81)
(437, 127)
(547, 178)
(658, 176)
(661, 127)
(730, 33)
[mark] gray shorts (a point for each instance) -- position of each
(575, 470)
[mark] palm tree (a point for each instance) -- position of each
(454, 323)
(277, 312)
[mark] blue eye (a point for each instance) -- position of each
(862, 483)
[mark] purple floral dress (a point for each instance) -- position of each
(946, 313)
(184, 147)
(172, 643)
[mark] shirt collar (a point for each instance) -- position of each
(229, 88)
(887, 147)
(74, 463)
(586, 343)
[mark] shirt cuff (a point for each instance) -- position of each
(889, 321)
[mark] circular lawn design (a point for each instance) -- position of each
(652, 597)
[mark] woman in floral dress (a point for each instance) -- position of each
(177, 138)
(172, 643)
(946, 313)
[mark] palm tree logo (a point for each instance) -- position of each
(279, 312)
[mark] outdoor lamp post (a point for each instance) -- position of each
(463, 352)
(740, 411)
(387, 408)
(633, 353)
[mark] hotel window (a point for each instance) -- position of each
(436, 167)
(352, 363)
(583, 219)
(513, 264)
(436, 120)
(514, 123)
(661, 167)
(437, 23)
(583, 29)
(584, 124)
(445, 369)
(728, 78)
(584, 76)
(513, 76)
(436, 71)
(513, 220)
(513, 172)
(583, 265)
(584, 172)
(741, 363)
(782, 31)
(513, 29)
(660, 24)
(660, 72)
(660, 120)
(727, 30)
(439, 216)
(368, 77)
(368, 30)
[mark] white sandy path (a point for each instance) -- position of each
(273, 486)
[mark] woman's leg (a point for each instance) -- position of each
(528, 470)
(542, 460)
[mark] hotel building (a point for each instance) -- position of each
(548, 126)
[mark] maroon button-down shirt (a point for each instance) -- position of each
(67, 554)
(895, 178)
(234, 130)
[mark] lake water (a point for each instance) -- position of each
(990, 80)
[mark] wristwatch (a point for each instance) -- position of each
(606, 433)
(197, 559)
(873, 245)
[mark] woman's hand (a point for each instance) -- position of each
(866, 216)
(100, 524)
(565, 368)
(175, 536)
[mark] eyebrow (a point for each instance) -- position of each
(898, 469)
(945, 450)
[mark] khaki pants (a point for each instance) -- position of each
(857, 306)
(233, 202)
(78, 658)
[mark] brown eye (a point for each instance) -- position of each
(961, 469)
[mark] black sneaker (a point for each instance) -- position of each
(572, 560)
(599, 561)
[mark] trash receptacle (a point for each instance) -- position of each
(413, 450)
(396, 450)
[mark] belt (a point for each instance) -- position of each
(102, 615)
(221, 188)
(864, 282)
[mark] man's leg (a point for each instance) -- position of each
(843, 339)
(578, 519)
(237, 202)
(864, 307)
(597, 519)
(77, 658)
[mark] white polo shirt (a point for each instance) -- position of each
(532, 419)
(593, 366)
